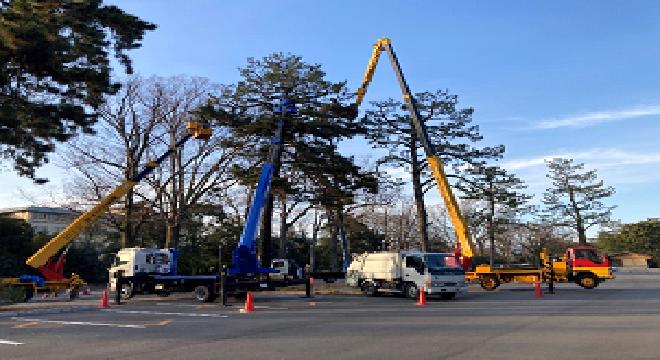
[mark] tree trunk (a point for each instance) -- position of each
(332, 246)
(343, 237)
(490, 221)
(283, 228)
(422, 219)
(579, 223)
(127, 236)
(171, 239)
(315, 238)
(126, 233)
(386, 235)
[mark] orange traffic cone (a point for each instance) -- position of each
(422, 297)
(537, 290)
(104, 300)
(249, 303)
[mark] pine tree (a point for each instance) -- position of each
(310, 163)
(449, 128)
(502, 193)
(55, 71)
(575, 198)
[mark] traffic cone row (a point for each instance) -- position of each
(104, 300)
(422, 297)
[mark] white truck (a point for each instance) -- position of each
(407, 273)
(154, 271)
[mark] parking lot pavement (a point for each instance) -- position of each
(619, 319)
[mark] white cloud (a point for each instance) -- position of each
(598, 158)
(614, 166)
(594, 118)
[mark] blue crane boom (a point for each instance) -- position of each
(244, 256)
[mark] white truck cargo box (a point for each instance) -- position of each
(383, 266)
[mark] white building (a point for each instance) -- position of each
(51, 220)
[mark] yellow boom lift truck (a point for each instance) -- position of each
(52, 271)
(580, 264)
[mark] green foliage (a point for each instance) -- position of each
(89, 261)
(199, 251)
(449, 129)
(360, 237)
(55, 71)
(642, 237)
(322, 254)
(310, 161)
(297, 249)
(15, 246)
(10, 294)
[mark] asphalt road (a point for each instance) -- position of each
(618, 320)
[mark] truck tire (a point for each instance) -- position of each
(369, 289)
(203, 293)
(489, 283)
(127, 291)
(447, 295)
(587, 280)
(410, 291)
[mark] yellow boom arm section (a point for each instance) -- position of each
(71, 232)
(459, 224)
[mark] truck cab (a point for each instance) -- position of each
(137, 261)
(586, 267)
(286, 269)
(435, 273)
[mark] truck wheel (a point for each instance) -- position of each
(369, 289)
(202, 293)
(489, 283)
(447, 296)
(410, 291)
(587, 281)
(127, 291)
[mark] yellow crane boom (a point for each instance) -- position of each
(457, 220)
(71, 232)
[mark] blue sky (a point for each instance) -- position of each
(560, 78)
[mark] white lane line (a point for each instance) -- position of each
(270, 308)
(7, 342)
(82, 323)
(146, 312)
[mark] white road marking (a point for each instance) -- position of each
(7, 342)
(82, 323)
(270, 308)
(146, 312)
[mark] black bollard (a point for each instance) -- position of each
(118, 289)
(223, 286)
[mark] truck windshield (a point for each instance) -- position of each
(442, 264)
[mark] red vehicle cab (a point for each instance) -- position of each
(586, 267)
